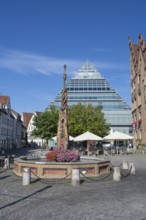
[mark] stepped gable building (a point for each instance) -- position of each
(138, 89)
(88, 86)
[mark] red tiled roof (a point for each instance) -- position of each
(4, 99)
(27, 117)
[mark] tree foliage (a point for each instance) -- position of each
(46, 124)
(87, 118)
(81, 119)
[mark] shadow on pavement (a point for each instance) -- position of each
(4, 177)
(22, 199)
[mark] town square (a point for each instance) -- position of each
(95, 198)
(72, 110)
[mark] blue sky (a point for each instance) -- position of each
(37, 37)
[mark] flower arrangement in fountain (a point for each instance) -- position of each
(62, 155)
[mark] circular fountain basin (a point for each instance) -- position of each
(39, 167)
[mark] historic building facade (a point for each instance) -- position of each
(138, 89)
(12, 130)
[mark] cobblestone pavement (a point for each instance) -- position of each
(92, 200)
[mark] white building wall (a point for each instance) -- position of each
(11, 129)
(34, 140)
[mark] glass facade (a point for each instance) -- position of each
(88, 86)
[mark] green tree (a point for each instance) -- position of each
(81, 119)
(46, 124)
(87, 118)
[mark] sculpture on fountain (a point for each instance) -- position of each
(62, 132)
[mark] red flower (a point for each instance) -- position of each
(50, 156)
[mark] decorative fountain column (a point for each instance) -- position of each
(62, 132)
(52, 169)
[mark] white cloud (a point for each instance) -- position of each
(28, 63)
(24, 62)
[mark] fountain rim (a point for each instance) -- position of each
(83, 160)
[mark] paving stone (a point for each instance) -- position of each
(92, 200)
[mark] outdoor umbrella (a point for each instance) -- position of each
(87, 136)
(70, 138)
(118, 136)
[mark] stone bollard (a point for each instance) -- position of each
(7, 164)
(75, 177)
(125, 165)
(132, 168)
(116, 174)
(26, 177)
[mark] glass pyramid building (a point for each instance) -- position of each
(88, 86)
